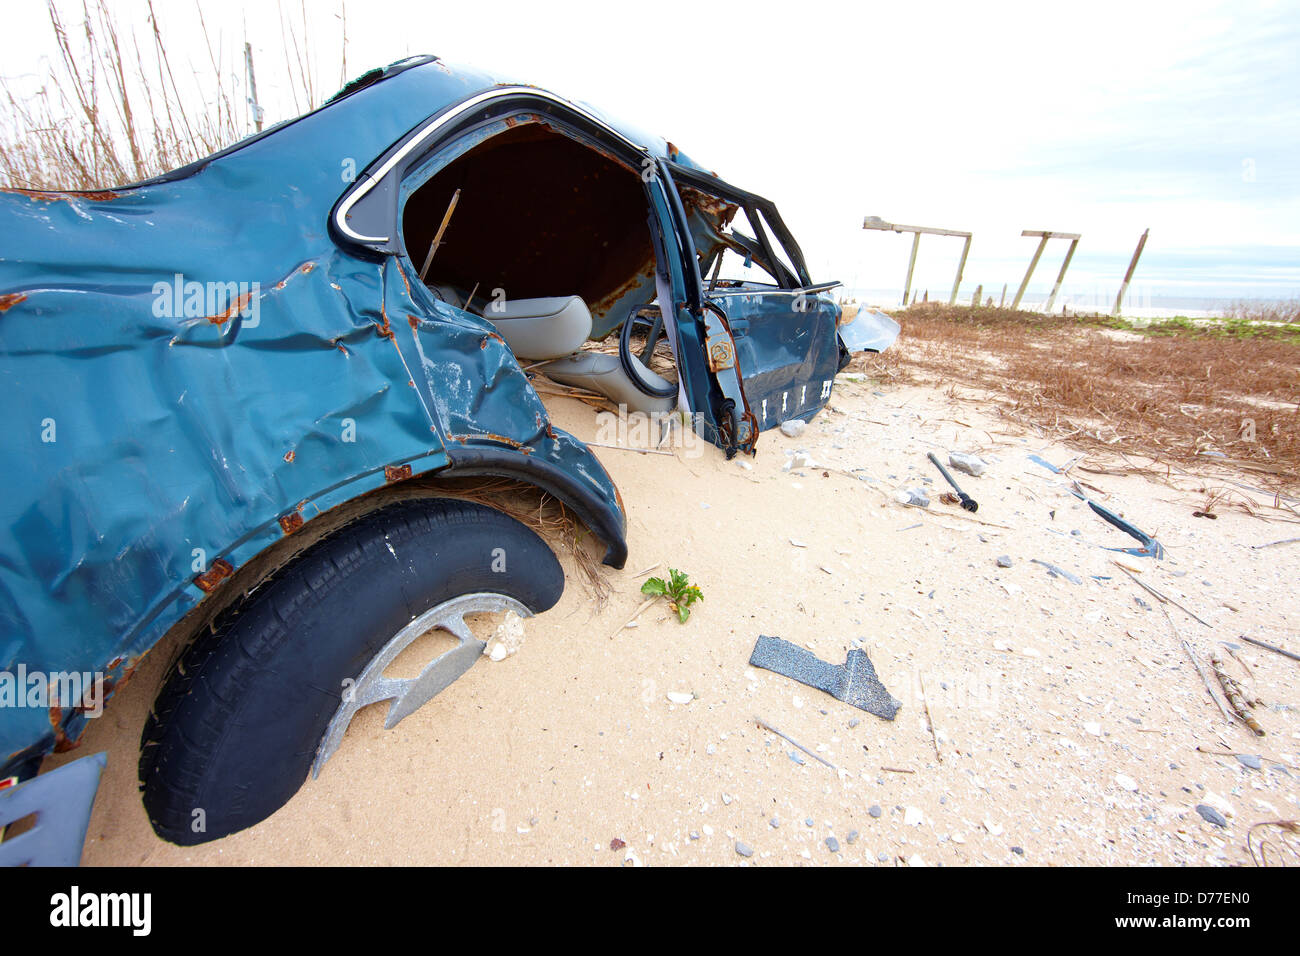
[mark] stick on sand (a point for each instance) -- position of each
(766, 726)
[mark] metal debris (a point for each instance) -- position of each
(1061, 572)
(1150, 546)
(854, 682)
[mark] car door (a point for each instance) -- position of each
(754, 282)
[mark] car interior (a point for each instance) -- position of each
(537, 232)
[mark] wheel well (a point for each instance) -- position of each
(535, 507)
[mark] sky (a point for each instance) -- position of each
(1104, 119)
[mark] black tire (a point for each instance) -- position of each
(235, 728)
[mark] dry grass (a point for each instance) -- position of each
(547, 516)
(1172, 396)
(1287, 311)
(111, 112)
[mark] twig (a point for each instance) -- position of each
(934, 737)
(896, 770)
(1249, 673)
(643, 451)
(1286, 826)
(472, 293)
(437, 238)
(644, 604)
(1234, 753)
(1197, 664)
(1275, 543)
(1269, 647)
(1236, 696)
(1162, 598)
(766, 726)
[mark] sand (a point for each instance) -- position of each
(1066, 717)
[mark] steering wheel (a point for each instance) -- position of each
(636, 366)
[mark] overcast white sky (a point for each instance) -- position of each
(1102, 118)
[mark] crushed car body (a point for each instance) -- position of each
(197, 366)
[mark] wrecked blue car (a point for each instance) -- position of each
(239, 397)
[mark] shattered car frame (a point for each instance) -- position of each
(202, 367)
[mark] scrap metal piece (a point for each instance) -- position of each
(61, 800)
(967, 502)
(870, 330)
(1150, 546)
(410, 693)
(854, 682)
(1058, 571)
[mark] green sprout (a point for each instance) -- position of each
(678, 591)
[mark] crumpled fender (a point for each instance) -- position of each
(152, 448)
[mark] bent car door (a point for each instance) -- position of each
(755, 281)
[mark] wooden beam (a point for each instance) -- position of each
(1128, 276)
(961, 268)
(911, 264)
(1033, 263)
(1051, 299)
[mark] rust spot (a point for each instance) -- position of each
(713, 208)
(306, 267)
(289, 456)
(396, 472)
(44, 195)
(11, 299)
(239, 305)
(209, 579)
(544, 425)
(385, 330)
(412, 321)
(719, 354)
(291, 522)
(490, 436)
(405, 281)
(62, 742)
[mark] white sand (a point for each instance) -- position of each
(1045, 694)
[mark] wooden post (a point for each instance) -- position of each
(911, 264)
(1024, 284)
(1043, 236)
(1128, 276)
(975, 299)
(961, 268)
(875, 222)
(1003, 301)
(1051, 299)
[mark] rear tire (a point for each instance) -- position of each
(236, 726)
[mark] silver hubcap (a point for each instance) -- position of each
(408, 694)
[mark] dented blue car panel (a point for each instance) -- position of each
(196, 365)
(164, 426)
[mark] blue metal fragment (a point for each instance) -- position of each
(854, 682)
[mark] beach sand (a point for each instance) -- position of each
(1066, 717)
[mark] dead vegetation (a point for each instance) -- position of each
(1182, 394)
(111, 111)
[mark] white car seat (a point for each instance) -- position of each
(545, 328)
(555, 328)
(602, 373)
